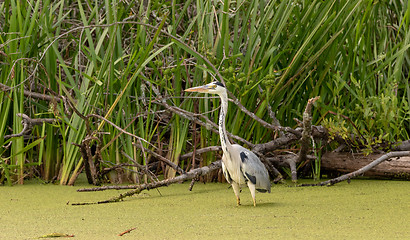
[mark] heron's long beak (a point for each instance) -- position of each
(201, 89)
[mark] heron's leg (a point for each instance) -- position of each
(236, 190)
(252, 189)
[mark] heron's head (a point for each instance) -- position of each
(213, 87)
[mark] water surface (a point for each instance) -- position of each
(363, 209)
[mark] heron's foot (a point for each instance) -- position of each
(254, 202)
(238, 202)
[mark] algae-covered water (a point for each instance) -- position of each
(363, 209)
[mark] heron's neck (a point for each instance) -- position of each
(222, 129)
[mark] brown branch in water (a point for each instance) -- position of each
(318, 132)
(361, 170)
(193, 154)
(198, 172)
(127, 231)
(195, 179)
(56, 235)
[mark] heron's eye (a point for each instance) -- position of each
(213, 86)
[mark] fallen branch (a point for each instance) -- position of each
(361, 170)
(56, 235)
(28, 123)
(198, 172)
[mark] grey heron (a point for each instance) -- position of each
(239, 165)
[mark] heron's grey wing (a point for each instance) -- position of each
(226, 174)
(253, 169)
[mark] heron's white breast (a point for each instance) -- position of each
(234, 169)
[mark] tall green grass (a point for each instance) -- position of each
(101, 57)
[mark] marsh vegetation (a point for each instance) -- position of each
(98, 85)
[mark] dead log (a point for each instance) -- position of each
(383, 158)
(349, 162)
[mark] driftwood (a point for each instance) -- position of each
(364, 169)
(195, 173)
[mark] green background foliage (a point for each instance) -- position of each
(117, 59)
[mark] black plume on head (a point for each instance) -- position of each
(219, 84)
